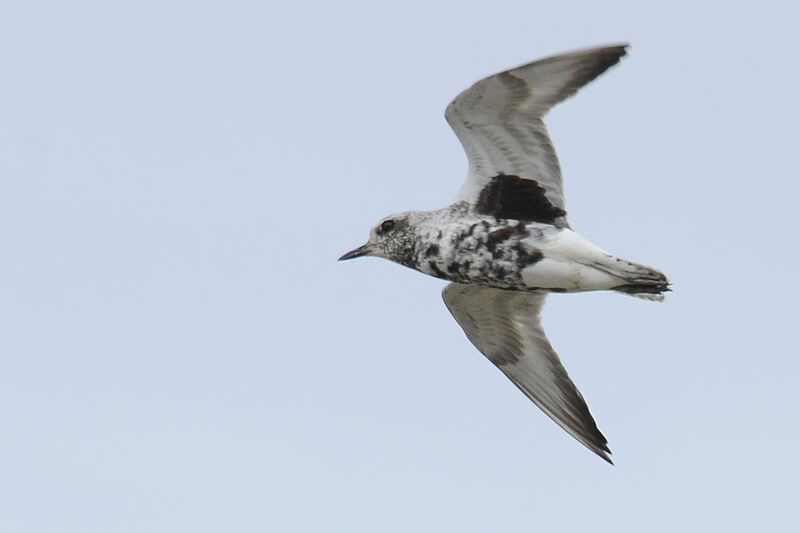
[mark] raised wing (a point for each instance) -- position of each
(505, 327)
(499, 122)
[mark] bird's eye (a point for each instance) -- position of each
(387, 225)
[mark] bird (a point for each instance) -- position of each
(505, 242)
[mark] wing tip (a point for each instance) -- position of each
(603, 452)
(614, 51)
(598, 444)
(605, 457)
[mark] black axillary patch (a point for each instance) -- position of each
(517, 198)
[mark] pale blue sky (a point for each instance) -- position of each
(180, 350)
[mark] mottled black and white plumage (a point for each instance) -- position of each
(505, 242)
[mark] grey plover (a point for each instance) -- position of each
(505, 242)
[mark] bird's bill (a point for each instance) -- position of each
(358, 252)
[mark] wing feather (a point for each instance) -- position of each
(505, 326)
(499, 119)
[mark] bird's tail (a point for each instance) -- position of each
(646, 292)
(639, 280)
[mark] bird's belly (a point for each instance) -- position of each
(478, 267)
(515, 256)
(544, 273)
(479, 256)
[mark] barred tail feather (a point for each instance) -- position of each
(647, 283)
(637, 280)
(636, 291)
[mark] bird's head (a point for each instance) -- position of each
(392, 238)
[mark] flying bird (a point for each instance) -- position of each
(505, 242)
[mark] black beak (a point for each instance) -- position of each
(358, 252)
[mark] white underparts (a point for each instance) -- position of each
(553, 274)
(572, 263)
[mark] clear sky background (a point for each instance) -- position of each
(180, 350)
